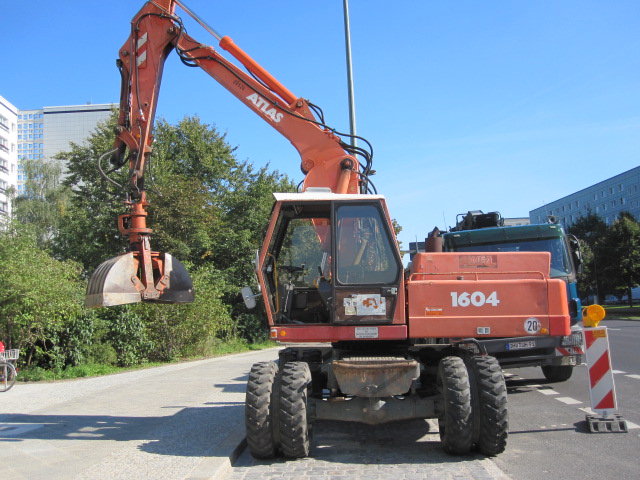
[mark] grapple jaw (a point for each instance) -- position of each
(122, 280)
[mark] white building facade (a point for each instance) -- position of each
(605, 199)
(45, 132)
(8, 152)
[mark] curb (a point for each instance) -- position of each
(219, 462)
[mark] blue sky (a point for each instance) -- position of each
(491, 105)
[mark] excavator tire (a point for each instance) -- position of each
(259, 411)
(454, 406)
(293, 425)
(489, 404)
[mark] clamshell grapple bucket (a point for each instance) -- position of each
(118, 281)
(139, 275)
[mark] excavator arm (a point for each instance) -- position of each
(156, 30)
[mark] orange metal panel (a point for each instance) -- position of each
(495, 295)
(332, 333)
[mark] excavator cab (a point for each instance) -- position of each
(330, 259)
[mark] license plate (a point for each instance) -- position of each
(366, 332)
(521, 345)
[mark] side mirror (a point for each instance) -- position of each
(248, 297)
(574, 243)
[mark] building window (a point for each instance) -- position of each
(622, 201)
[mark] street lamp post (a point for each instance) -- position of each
(352, 106)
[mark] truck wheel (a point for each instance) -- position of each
(557, 373)
(489, 403)
(258, 410)
(454, 406)
(293, 426)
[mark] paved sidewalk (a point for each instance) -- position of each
(177, 421)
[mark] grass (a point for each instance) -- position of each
(621, 312)
(38, 374)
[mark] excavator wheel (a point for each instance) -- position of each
(454, 406)
(489, 405)
(259, 422)
(293, 425)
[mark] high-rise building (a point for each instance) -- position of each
(8, 152)
(606, 199)
(45, 132)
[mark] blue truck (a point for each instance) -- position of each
(476, 231)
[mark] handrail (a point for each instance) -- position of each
(477, 274)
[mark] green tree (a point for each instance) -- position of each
(591, 231)
(38, 294)
(206, 208)
(620, 253)
(44, 199)
(88, 230)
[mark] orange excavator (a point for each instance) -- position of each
(366, 340)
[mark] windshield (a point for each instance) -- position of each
(364, 247)
(560, 262)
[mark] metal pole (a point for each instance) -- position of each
(352, 106)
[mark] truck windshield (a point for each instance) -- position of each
(560, 261)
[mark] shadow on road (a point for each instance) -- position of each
(188, 432)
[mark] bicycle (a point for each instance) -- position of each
(8, 371)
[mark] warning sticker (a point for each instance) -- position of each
(433, 311)
(372, 304)
(600, 333)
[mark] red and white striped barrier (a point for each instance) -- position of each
(602, 388)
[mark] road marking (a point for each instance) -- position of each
(617, 371)
(569, 400)
(548, 391)
(637, 377)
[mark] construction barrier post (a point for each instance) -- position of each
(602, 389)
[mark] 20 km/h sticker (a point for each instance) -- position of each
(532, 325)
(475, 299)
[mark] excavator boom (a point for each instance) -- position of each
(142, 274)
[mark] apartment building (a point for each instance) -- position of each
(8, 152)
(45, 132)
(606, 199)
